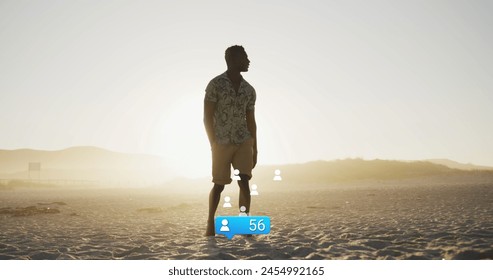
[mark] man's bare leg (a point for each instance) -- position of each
(245, 197)
(214, 198)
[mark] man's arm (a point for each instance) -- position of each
(252, 127)
(209, 108)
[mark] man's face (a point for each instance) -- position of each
(243, 62)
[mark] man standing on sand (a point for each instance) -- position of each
(229, 119)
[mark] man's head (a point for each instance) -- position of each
(237, 58)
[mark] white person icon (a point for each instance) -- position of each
(227, 204)
(243, 211)
(236, 174)
(277, 175)
(254, 190)
(224, 226)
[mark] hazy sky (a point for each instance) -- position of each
(334, 79)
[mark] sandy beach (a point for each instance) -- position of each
(368, 220)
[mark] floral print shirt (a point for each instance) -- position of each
(230, 124)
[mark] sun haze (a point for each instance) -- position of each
(334, 79)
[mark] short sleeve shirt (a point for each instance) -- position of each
(230, 124)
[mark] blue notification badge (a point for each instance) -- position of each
(233, 225)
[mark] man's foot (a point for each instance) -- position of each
(210, 231)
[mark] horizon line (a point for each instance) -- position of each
(266, 164)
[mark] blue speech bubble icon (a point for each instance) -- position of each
(230, 226)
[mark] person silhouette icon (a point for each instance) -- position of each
(236, 176)
(277, 176)
(224, 226)
(254, 190)
(242, 211)
(227, 204)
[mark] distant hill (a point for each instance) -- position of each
(321, 172)
(458, 165)
(83, 163)
(96, 164)
(318, 174)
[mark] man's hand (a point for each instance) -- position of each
(209, 108)
(252, 127)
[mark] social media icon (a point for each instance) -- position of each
(230, 226)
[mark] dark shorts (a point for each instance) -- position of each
(223, 156)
